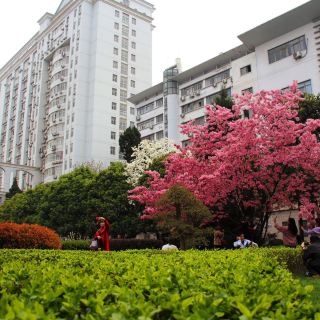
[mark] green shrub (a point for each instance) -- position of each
(151, 284)
(115, 244)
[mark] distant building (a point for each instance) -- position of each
(63, 96)
(272, 55)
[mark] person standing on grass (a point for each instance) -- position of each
(218, 237)
(102, 235)
(311, 256)
(289, 233)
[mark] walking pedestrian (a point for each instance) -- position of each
(289, 233)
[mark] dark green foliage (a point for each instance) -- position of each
(13, 190)
(182, 216)
(129, 139)
(310, 107)
(223, 100)
(71, 204)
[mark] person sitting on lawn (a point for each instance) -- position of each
(242, 243)
(311, 256)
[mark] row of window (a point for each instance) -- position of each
(150, 106)
(125, 18)
(123, 81)
(158, 135)
(150, 122)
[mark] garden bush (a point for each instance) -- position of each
(151, 285)
(115, 244)
(29, 236)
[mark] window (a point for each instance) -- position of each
(123, 95)
(133, 84)
(124, 43)
(70, 163)
(113, 135)
(116, 25)
(123, 124)
(212, 81)
(115, 64)
(133, 45)
(133, 33)
(145, 109)
(114, 106)
(211, 99)
(287, 49)
(123, 82)
(116, 38)
(159, 118)
(72, 131)
(159, 103)
(66, 150)
(133, 70)
(159, 135)
(132, 111)
(191, 90)
(72, 118)
(123, 110)
(114, 91)
(245, 70)
(112, 150)
(133, 57)
(125, 31)
(146, 124)
(305, 86)
(134, 21)
(115, 51)
(71, 147)
(125, 18)
(113, 120)
(124, 69)
(192, 106)
(117, 13)
(114, 78)
(250, 90)
(124, 55)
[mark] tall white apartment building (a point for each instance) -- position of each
(271, 56)
(63, 96)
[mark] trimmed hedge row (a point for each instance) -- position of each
(115, 244)
(32, 236)
(151, 285)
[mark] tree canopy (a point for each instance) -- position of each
(246, 168)
(127, 141)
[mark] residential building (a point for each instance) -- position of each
(271, 56)
(63, 96)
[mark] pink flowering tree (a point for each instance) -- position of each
(244, 168)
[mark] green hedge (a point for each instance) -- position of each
(152, 285)
(115, 244)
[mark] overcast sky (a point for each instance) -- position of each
(194, 31)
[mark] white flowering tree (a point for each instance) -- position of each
(144, 154)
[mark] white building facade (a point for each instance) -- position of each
(272, 56)
(63, 96)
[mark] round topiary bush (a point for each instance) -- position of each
(28, 236)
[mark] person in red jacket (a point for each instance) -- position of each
(102, 235)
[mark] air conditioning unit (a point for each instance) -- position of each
(55, 134)
(182, 115)
(55, 177)
(191, 95)
(198, 93)
(183, 98)
(297, 55)
(138, 118)
(53, 148)
(151, 127)
(225, 81)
